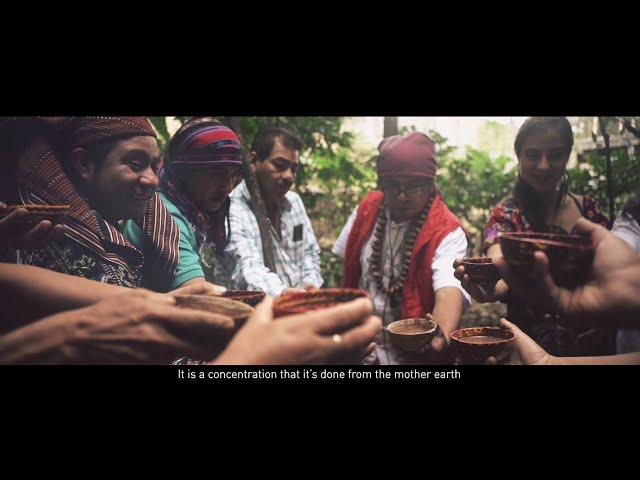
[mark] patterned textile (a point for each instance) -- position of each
(92, 247)
(508, 217)
(199, 144)
(297, 253)
(545, 328)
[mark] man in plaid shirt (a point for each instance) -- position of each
(275, 155)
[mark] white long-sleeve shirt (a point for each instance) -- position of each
(453, 246)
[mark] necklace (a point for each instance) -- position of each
(375, 262)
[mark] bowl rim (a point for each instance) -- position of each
(427, 320)
(477, 260)
(287, 297)
(213, 298)
(585, 243)
(317, 291)
(499, 341)
(243, 293)
(282, 305)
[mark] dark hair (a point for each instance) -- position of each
(530, 201)
(558, 125)
(99, 151)
(265, 140)
(96, 152)
(631, 209)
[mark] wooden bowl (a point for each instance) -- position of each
(238, 311)
(570, 256)
(412, 334)
(35, 214)
(250, 297)
(301, 302)
(482, 271)
(474, 345)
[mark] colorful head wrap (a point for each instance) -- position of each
(201, 143)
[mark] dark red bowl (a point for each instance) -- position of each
(300, 302)
(37, 213)
(474, 345)
(570, 256)
(250, 297)
(481, 270)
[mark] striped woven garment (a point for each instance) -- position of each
(42, 180)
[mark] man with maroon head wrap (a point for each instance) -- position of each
(400, 243)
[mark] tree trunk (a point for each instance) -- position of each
(610, 189)
(390, 126)
(631, 128)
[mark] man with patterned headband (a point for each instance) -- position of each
(400, 243)
(105, 169)
(202, 166)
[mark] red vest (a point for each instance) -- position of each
(417, 293)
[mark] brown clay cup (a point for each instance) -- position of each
(570, 256)
(37, 213)
(475, 345)
(412, 334)
(250, 297)
(481, 271)
(301, 302)
(238, 311)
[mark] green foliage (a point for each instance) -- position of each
(495, 137)
(336, 183)
(590, 177)
(160, 124)
(472, 185)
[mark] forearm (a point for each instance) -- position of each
(624, 359)
(262, 279)
(448, 309)
(614, 302)
(502, 289)
(192, 281)
(31, 292)
(311, 275)
(43, 342)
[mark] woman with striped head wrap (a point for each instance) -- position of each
(203, 164)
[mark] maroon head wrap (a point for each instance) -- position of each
(413, 155)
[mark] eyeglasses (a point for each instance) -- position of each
(411, 191)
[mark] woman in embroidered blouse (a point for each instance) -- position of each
(541, 202)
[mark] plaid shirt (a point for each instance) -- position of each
(297, 254)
